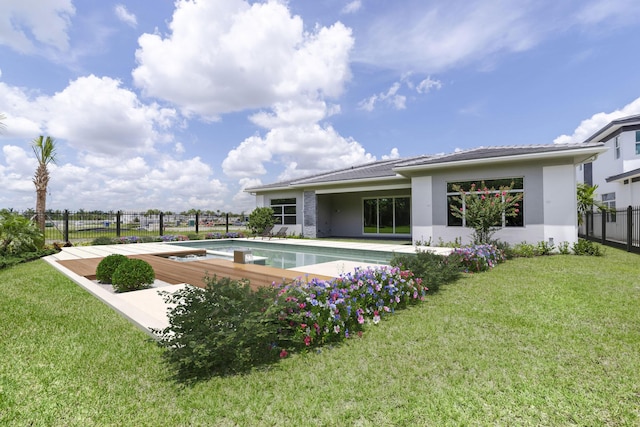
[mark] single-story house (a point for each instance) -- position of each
(411, 197)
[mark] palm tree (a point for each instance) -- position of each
(45, 151)
(587, 200)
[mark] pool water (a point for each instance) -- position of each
(290, 256)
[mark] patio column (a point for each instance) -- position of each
(310, 203)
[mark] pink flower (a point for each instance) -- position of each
(283, 353)
(307, 340)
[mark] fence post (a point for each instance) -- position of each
(629, 228)
(227, 222)
(603, 215)
(65, 226)
(161, 224)
(118, 222)
(197, 222)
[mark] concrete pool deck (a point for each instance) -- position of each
(147, 308)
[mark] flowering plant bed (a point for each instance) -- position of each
(478, 258)
(319, 312)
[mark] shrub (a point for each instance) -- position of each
(11, 260)
(524, 250)
(433, 269)
(18, 234)
(587, 247)
(108, 266)
(193, 236)
(218, 330)
(132, 275)
(505, 247)
(544, 248)
(563, 248)
(260, 219)
(103, 240)
(478, 258)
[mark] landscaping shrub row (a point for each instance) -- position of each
(227, 328)
(166, 238)
(10, 260)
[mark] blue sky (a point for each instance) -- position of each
(157, 104)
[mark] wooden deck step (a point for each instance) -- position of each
(194, 272)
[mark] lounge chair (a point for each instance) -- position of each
(282, 233)
(266, 232)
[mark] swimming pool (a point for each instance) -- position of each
(289, 255)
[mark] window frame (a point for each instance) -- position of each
(395, 216)
(609, 200)
(616, 147)
(282, 211)
(453, 221)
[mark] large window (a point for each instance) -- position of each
(387, 215)
(616, 147)
(284, 210)
(454, 199)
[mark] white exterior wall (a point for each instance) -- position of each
(422, 209)
(607, 165)
(560, 204)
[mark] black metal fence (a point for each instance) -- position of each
(77, 226)
(620, 228)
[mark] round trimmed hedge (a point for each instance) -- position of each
(108, 266)
(133, 274)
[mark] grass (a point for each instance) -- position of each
(539, 341)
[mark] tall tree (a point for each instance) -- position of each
(45, 151)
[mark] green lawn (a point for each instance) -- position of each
(541, 341)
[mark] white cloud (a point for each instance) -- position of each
(98, 115)
(611, 13)
(243, 201)
(224, 56)
(352, 7)
(393, 98)
(427, 84)
(436, 36)
(298, 140)
(301, 150)
(26, 25)
(125, 16)
(591, 125)
(394, 154)
(108, 151)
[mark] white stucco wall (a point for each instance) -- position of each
(607, 165)
(422, 209)
(560, 204)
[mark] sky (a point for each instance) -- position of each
(178, 105)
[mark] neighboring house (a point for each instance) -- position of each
(617, 172)
(410, 198)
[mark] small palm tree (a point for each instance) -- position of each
(587, 200)
(45, 151)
